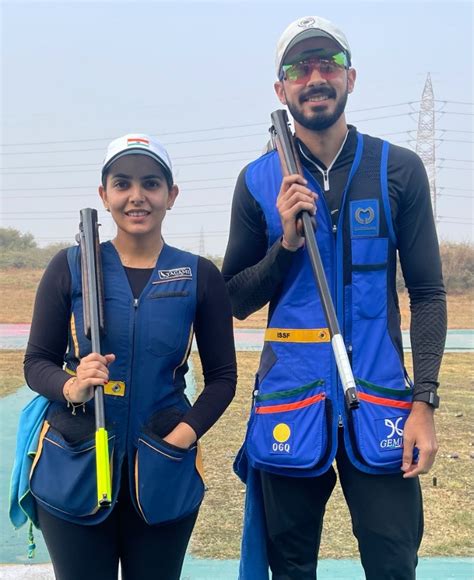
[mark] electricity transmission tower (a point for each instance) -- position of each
(425, 139)
(202, 248)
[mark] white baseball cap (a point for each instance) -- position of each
(308, 27)
(138, 143)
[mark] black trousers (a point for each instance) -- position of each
(386, 512)
(93, 552)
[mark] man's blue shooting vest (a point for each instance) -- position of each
(151, 339)
(298, 398)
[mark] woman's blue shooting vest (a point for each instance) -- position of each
(151, 339)
(298, 399)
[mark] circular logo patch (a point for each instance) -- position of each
(281, 432)
(364, 216)
(306, 22)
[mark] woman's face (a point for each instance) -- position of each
(137, 195)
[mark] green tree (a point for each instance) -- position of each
(11, 239)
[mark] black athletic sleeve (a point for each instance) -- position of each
(253, 272)
(48, 338)
(215, 341)
(421, 265)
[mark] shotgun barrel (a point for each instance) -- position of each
(93, 307)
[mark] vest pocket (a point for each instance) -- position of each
(63, 474)
(168, 484)
(288, 429)
(166, 313)
(369, 278)
(377, 426)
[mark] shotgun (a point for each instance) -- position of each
(93, 307)
(290, 164)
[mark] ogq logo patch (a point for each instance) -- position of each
(281, 438)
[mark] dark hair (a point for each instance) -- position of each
(169, 179)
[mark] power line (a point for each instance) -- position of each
(165, 235)
(178, 209)
(169, 143)
(455, 168)
(67, 187)
(176, 167)
(188, 131)
(95, 195)
(189, 206)
(97, 165)
(454, 102)
(75, 218)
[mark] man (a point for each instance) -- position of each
(371, 200)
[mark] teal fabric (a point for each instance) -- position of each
(22, 504)
(253, 552)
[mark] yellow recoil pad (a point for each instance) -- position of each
(104, 492)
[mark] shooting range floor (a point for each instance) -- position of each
(15, 336)
(428, 569)
(13, 543)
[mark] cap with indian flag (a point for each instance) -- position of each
(138, 144)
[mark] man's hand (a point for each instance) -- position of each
(419, 431)
(293, 198)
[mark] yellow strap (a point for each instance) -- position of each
(115, 388)
(74, 337)
(297, 335)
(44, 430)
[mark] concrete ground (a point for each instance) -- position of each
(428, 569)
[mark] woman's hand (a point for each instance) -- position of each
(92, 371)
(183, 435)
(293, 198)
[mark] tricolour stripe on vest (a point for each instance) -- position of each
(74, 337)
(383, 401)
(297, 335)
(289, 406)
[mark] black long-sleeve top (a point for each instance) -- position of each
(212, 326)
(254, 273)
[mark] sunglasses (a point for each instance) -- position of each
(328, 66)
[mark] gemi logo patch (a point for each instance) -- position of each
(390, 433)
(365, 218)
(183, 273)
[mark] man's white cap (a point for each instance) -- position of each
(308, 27)
(138, 143)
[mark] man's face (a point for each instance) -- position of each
(317, 100)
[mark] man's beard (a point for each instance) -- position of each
(320, 120)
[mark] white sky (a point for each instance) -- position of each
(200, 77)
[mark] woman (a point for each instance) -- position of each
(156, 297)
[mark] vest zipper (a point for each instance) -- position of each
(325, 179)
(325, 172)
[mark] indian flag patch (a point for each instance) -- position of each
(134, 141)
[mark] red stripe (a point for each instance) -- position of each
(289, 406)
(138, 139)
(386, 402)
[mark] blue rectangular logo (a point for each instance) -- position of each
(365, 218)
